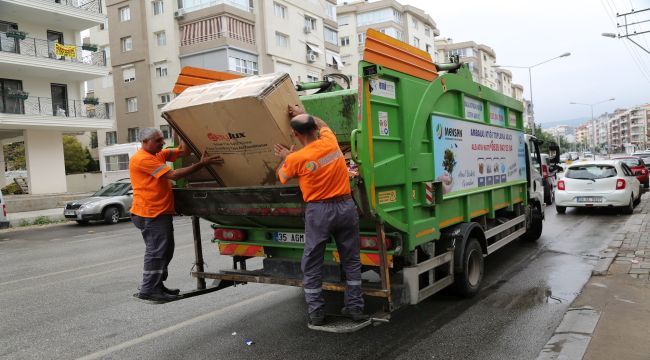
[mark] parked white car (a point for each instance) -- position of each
(602, 183)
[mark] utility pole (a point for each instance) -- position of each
(627, 34)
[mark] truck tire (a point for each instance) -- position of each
(560, 209)
(534, 232)
(111, 215)
(468, 282)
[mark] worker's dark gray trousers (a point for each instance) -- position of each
(158, 235)
(341, 220)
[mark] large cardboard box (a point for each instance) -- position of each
(241, 120)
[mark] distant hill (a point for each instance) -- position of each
(570, 122)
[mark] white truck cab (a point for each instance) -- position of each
(114, 161)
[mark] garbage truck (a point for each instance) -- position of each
(442, 173)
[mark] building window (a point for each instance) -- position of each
(429, 48)
(107, 53)
(344, 20)
(331, 11)
(133, 134)
(331, 36)
(427, 31)
(93, 140)
(242, 66)
(128, 74)
(416, 42)
(117, 162)
(166, 131)
(157, 7)
(345, 40)
(281, 40)
(414, 22)
(111, 137)
(313, 76)
(397, 16)
(361, 37)
(132, 104)
(126, 43)
(165, 98)
(280, 10)
(161, 71)
(110, 110)
(161, 38)
(310, 23)
(125, 13)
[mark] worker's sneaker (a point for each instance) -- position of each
(159, 298)
(355, 314)
(170, 291)
(317, 317)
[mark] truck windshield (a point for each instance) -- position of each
(590, 172)
(114, 189)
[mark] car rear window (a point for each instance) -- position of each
(591, 171)
(631, 162)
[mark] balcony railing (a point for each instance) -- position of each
(42, 106)
(94, 6)
(46, 49)
(194, 5)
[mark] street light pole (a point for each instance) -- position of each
(592, 115)
(530, 76)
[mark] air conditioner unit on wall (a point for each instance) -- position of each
(311, 57)
(179, 14)
(307, 29)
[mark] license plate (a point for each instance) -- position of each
(589, 199)
(298, 238)
(69, 212)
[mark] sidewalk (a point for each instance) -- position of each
(610, 319)
(25, 218)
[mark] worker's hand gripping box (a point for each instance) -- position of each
(241, 120)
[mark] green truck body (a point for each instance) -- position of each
(395, 127)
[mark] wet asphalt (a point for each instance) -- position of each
(66, 293)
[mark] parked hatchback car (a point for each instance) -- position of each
(110, 204)
(603, 183)
(639, 168)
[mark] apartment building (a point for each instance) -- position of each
(480, 59)
(43, 65)
(148, 42)
(403, 22)
(518, 92)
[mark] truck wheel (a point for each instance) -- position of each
(535, 230)
(467, 282)
(111, 215)
(560, 209)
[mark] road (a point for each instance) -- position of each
(66, 293)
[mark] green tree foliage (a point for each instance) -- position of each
(74, 155)
(15, 156)
(93, 165)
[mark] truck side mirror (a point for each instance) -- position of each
(554, 153)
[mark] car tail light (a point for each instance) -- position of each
(372, 243)
(545, 170)
(644, 171)
(560, 185)
(229, 234)
(620, 184)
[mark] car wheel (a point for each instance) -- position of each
(560, 209)
(629, 209)
(82, 222)
(647, 184)
(111, 215)
(468, 282)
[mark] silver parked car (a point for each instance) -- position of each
(110, 204)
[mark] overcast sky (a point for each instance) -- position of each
(526, 32)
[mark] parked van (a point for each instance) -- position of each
(114, 161)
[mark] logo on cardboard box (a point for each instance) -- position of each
(226, 137)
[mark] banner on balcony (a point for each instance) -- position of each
(69, 51)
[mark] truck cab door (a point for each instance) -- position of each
(535, 171)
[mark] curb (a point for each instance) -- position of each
(607, 258)
(16, 223)
(571, 338)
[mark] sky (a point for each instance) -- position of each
(526, 32)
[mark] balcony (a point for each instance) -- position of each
(195, 5)
(76, 15)
(214, 32)
(39, 57)
(42, 112)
